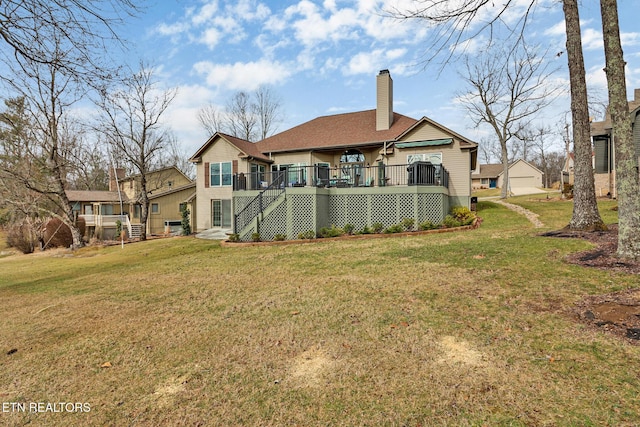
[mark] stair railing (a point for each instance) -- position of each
(260, 203)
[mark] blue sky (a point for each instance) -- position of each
(321, 57)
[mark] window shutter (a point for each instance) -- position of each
(207, 178)
(234, 167)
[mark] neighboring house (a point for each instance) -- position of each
(604, 148)
(361, 168)
(522, 174)
(168, 188)
(568, 170)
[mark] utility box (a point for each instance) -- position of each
(474, 204)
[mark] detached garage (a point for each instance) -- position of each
(521, 175)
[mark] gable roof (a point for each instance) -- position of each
(155, 171)
(494, 170)
(464, 142)
(172, 190)
(246, 148)
(95, 196)
(336, 131)
(604, 127)
(489, 171)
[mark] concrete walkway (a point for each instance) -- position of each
(214, 234)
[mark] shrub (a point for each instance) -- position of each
(396, 228)
(428, 225)
(279, 237)
(408, 223)
(308, 235)
(55, 233)
(333, 231)
(366, 230)
(185, 223)
(463, 215)
(118, 228)
(348, 228)
(451, 222)
(234, 237)
(377, 227)
(255, 237)
(24, 235)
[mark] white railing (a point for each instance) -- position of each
(105, 220)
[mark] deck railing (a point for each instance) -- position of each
(262, 201)
(345, 176)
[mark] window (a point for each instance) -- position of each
(221, 213)
(352, 156)
(433, 158)
(136, 211)
(169, 184)
(106, 209)
(293, 173)
(484, 181)
(258, 172)
(220, 174)
(155, 208)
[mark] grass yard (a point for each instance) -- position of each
(467, 328)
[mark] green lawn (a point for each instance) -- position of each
(465, 328)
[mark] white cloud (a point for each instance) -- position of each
(630, 39)
(182, 116)
(243, 76)
(558, 29)
(592, 39)
(370, 62)
(205, 13)
(211, 37)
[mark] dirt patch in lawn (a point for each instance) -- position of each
(618, 312)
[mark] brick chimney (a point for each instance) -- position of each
(384, 100)
(636, 94)
(113, 183)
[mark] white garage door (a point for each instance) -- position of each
(523, 181)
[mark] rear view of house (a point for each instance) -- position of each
(360, 168)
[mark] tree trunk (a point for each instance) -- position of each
(626, 166)
(504, 193)
(585, 208)
(144, 204)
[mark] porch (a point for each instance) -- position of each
(309, 198)
(345, 176)
(104, 226)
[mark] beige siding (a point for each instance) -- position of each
(454, 159)
(169, 210)
(156, 182)
(524, 175)
(219, 151)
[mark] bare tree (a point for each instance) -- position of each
(585, 207)
(241, 116)
(540, 141)
(131, 122)
(211, 119)
(83, 30)
(507, 88)
(248, 116)
(627, 180)
(456, 22)
(48, 142)
(268, 108)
